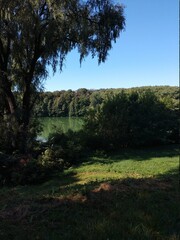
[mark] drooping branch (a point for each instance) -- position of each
(35, 34)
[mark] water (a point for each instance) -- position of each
(51, 124)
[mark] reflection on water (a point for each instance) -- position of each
(50, 124)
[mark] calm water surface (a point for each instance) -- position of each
(51, 124)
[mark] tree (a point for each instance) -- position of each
(38, 33)
(132, 120)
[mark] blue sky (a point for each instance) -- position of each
(146, 54)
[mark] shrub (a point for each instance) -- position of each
(8, 165)
(50, 160)
(63, 148)
(30, 173)
(21, 170)
(14, 138)
(61, 151)
(131, 120)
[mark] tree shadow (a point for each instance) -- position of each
(138, 154)
(144, 208)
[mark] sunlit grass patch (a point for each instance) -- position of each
(134, 165)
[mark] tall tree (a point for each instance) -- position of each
(38, 33)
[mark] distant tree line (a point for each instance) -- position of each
(76, 103)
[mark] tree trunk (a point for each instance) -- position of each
(17, 116)
(11, 102)
(26, 114)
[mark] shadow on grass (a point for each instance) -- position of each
(139, 154)
(135, 209)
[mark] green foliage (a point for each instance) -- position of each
(14, 138)
(29, 173)
(8, 131)
(20, 170)
(50, 159)
(7, 166)
(77, 103)
(36, 34)
(134, 119)
(63, 149)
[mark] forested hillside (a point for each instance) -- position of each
(76, 103)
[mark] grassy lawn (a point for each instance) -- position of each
(133, 194)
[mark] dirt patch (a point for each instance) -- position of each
(134, 184)
(104, 187)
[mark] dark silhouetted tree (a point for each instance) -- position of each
(38, 33)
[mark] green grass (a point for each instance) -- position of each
(133, 194)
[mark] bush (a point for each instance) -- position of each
(21, 170)
(14, 138)
(50, 159)
(131, 120)
(8, 165)
(30, 173)
(61, 151)
(63, 148)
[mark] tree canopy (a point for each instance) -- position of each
(77, 103)
(38, 33)
(133, 119)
